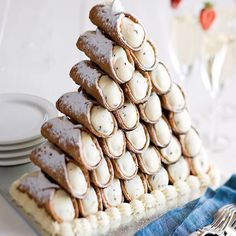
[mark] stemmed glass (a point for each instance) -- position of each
(217, 68)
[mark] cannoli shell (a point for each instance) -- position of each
(138, 63)
(121, 122)
(100, 205)
(99, 49)
(152, 133)
(105, 201)
(78, 106)
(87, 75)
(41, 190)
(125, 192)
(106, 150)
(118, 172)
(128, 91)
(53, 162)
(158, 90)
(143, 115)
(142, 166)
(94, 178)
(134, 149)
(68, 137)
(166, 104)
(105, 18)
(183, 146)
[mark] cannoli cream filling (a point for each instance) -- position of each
(182, 121)
(162, 131)
(179, 170)
(126, 164)
(123, 68)
(134, 187)
(146, 55)
(116, 143)
(132, 32)
(159, 180)
(151, 159)
(90, 151)
(102, 120)
(137, 137)
(103, 173)
(152, 108)
(63, 205)
(161, 79)
(173, 151)
(138, 85)
(192, 143)
(175, 97)
(110, 91)
(76, 179)
(113, 193)
(90, 202)
(128, 114)
(200, 163)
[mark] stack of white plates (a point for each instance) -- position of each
(21, 118)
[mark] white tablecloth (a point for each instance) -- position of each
(37, 50)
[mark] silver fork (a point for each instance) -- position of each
(231, 229)
(221, 221)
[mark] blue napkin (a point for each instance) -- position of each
(194, 215)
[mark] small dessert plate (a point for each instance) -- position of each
(14, 161)
(22, 116)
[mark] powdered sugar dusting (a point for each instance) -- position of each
(38, 187)
(87, 72)
(97, 44)
(116, 7)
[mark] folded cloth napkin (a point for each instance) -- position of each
(194, 215)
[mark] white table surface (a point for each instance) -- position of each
(37, 50)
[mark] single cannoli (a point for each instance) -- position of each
(160, 132)
(125, 167)
(111, 58)
(122, 27)
(137, 140)
(99, 85)
(74, 140)
(114, 146)
(179, 170)
(150, 160)
(158, 181)
(191, 143)
(82, 109)
(146, 57)
(91, 204)
(103, 175)
(112, 195)
(161, 79)
(49, 196)
(200, 163)
(180, 121)
(135, 187)
(61, 169)
(127, 116)
(151, 111)
(174, 100)
(138, 89)
(172, 152)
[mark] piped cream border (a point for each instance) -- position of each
(155, 203)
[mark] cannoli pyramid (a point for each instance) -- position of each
(125, 148)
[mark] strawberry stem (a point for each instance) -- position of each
(208, 5)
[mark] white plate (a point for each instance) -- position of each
(17, 153)
(22, 116)
(21, 145)
(16, 161)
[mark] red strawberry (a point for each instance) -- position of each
(175, 3)
(207, 16)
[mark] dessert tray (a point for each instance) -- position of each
(125, 150)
